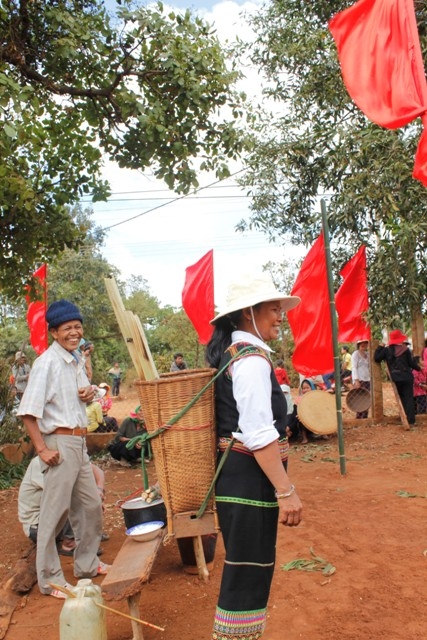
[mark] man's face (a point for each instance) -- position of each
(179, 360)
(68, 334)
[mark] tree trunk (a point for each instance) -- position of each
(417, 327)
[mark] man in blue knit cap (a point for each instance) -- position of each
(53, 409)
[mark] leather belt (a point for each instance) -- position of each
(68, 431)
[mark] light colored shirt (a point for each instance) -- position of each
(51, 395)
(360, 366)
(252, 391)
(29, 496)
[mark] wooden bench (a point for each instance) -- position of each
(130, 570)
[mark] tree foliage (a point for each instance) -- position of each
(317, 143)
(147, 91)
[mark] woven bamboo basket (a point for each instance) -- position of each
(184, 454)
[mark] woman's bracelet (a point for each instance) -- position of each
(285, 495)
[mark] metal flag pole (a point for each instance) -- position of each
(337, 369)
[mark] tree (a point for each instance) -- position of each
(74, 88)
(320, 144)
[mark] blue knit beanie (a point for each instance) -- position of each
(62, 311)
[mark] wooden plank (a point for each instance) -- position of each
(186, 525)
(133, 603)
(131, 568)
(133, 334)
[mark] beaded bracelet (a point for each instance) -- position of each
(287, 494)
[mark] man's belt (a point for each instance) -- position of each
(68, 431)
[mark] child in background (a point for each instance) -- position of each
(420, 387)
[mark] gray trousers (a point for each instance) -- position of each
(69, 491)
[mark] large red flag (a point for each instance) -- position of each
(382, 65)
(310, 321)
(351, 300)
(198, 296)
(36, 314)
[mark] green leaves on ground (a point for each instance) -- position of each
(315, 563)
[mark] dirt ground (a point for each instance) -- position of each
(370, 524)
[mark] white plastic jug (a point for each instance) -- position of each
(80, 616)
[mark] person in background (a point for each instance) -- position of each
(86, 349)
(281, 373)
(253, 491)
(345, 363)
(400, 362)
(131, 426)
(116, 375)
(106, 404)
(94, 411)
(21, 372)
(420, 387)
(29, 499)
(295, 428)
(178, 363)
(53, 409)
(360, 370)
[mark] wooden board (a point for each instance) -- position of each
(402, 413)
(133, 334)
(186, 525)
(131, 568)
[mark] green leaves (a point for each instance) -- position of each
(146, 93)
(315, 563)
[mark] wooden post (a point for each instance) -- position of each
(377, 386)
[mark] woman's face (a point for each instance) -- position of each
(268, 318)
(305, 387)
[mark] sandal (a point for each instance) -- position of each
(60, 595)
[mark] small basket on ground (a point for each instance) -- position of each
(184, 454)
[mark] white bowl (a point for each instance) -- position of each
(145, 531)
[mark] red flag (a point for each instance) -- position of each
(198, 296)
(351, 300)
(382, 65)
(36, 314)
(310, 321)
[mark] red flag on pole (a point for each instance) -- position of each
(310, 321)
(198, 296)
(36, 314)
(382, 65)
(351, 300)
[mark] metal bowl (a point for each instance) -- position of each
(145, 531)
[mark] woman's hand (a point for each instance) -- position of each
(290, 510)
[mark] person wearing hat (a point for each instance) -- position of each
(253, 491)
(400, 362)
(131, 426)
(53, 409)
(106, 404)
(21, 372)
(360, 370)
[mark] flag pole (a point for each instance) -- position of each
(337, 369)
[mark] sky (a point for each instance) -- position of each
(159, 244)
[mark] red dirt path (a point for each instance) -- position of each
(374, 537)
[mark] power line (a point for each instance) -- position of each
(165, 204)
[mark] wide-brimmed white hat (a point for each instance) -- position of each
(251, 290)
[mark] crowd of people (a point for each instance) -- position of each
(61, 497)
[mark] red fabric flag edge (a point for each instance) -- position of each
(198, 296)
(310, 321)
(36, 314)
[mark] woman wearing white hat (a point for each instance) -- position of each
(253, 491)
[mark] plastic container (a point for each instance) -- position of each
(186, 550)
(137, 511)
(80, 617)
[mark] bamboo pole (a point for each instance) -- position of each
(337, 369)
